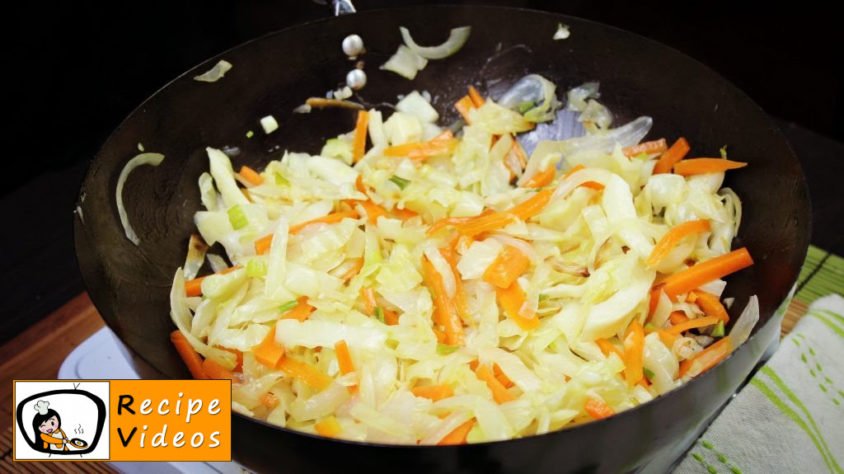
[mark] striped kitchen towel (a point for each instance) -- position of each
(790, 417)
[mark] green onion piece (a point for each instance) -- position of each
(648, 373)
(379, 314)
(445, 349)
(288, 306)
(281, 180)
(650, 327)
(719, 330)
(256, 268)
(250, 134)
(400, 182)
(237, 217)
(525, 106)
(724, 152)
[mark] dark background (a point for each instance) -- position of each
(74, 69)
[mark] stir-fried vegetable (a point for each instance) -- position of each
(416, 285)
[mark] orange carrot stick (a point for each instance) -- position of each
(651, 148)
(189, 356)
(445, 313)
(251, 176)
(667, 338)
(301, 311)
(262, 245)
(673, 237)
(344, 358)
(671, 156)
(461, 303)
(403, 214)
(391, 318)
(693, 323)
(598, 409)
(328, 427)
(706, 165)
(476, 97)
(512, 301)
(458, 436)
(357, 264)
(464, 105)
(445, 222)
(368, 297)
(707, 358)
(608, 348)
(214, 370)
(484, 223)
(510, 264)
(373, 211)
(501, 376)
(710, 305)
(654, 300)
(332, 218)
(634, 350)
(359, 141)
(422, 150)
(691, 278)
(304, 372)
(677, 317)
(433, 392)
(541, 178)
(499, 393)
(531, 206)
(269, 352)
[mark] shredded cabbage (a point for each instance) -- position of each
(433, 276)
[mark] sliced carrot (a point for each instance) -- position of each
(445, 222)
(499, 392)
(359, 184)
(667, 338)
(691, 278)
(541, 178)
(357, 264)
(433, 392)
(598, 409)
(588, 184)
(706, 165)
(464, 105)
(458, 436)
(250, 176)
(484, 223)
(654, 300)
(650, 148)
(238, 365)
(634, 351)
(194, 287)
(445, 313)
(608, 348)
(671, 156)
(391, 318)
(512, 301)
(269, 352)
(501, 376)
(359, 140)
(373, 211)
(707, 358)
(368, 297)
(693, 324)
(328, 427)
(262, 245)
(304, 372)
(710, 305)
(214, 370)
(461, 302)
(188, 354)
(269, 400)
(476, 97)
(403, 214)
(673, 237)
(301, 311)
(440, 145)
(332, 218)
(344, 358)
(678, 317)
(510, 264)
(532, 206)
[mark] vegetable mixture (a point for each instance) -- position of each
(408, 285)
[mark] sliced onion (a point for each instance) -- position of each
(456, 39)
(405, 63)
(215, 73)
(577, 96)
(595, 114)
(535, 89)
(562, 32)
(217, 262)
(152, 159)
(745, 323)
(196, 256)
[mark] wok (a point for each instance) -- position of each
(129, 285)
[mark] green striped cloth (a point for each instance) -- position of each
(790, 417)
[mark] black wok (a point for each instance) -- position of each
(129, 285)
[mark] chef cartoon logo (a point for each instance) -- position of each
(56, 420)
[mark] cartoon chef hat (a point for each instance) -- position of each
(42, 406)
